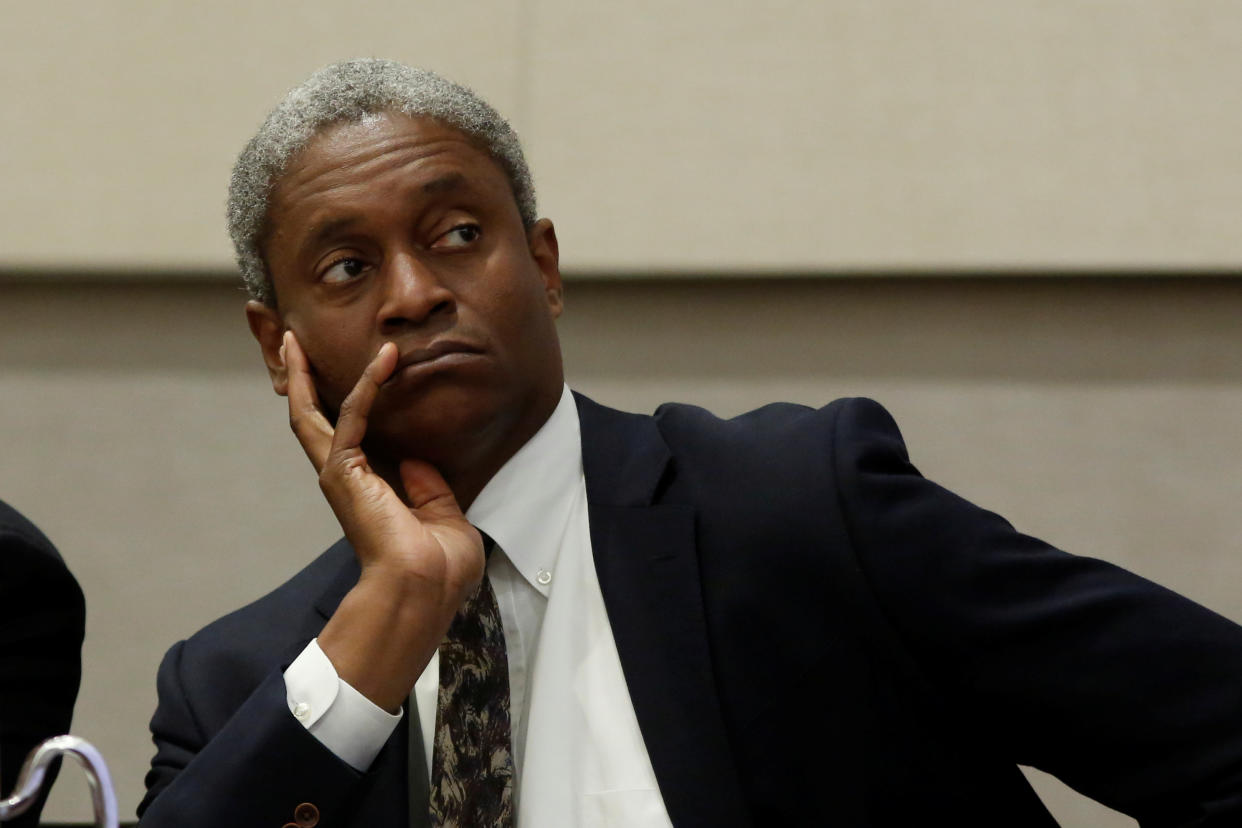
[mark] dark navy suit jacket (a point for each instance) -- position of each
(42, 621)
(811, 633)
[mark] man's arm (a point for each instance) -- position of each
(255, 770)
(1121, 688)
(419, 559)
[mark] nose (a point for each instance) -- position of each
(413, 295)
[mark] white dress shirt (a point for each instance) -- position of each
(578, 754)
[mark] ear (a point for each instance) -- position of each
(269, 329)
(541, 238)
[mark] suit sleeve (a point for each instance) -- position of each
(254, 770)
(1125, 690)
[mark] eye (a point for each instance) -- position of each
(460, 236)
(344, 270)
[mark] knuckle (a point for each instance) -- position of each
(302, 417)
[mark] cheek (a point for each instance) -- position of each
(336, 360)
(521, 319)
(519, 304)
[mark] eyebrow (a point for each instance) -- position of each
(329, 228)
(445, 183)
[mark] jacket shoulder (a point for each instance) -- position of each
(17, 531)
(775, 434)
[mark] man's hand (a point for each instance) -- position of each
(419, 561)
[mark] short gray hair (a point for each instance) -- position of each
(347, 92)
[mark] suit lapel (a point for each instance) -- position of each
(647, 565)
(387, 798)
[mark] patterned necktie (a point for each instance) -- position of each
(472, 759)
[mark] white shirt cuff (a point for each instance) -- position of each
(345, 721)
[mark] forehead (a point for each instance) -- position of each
(383, 155)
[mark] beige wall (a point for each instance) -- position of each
(707, 135)
(780, 139)
(140, 432)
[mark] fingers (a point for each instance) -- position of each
(306, 417)
(351, 423)
(435, 507)
(427, 493)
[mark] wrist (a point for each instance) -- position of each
(404, 591)
(382, 636)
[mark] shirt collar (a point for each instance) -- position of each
(525, 507)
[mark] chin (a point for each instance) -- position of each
(442, 428)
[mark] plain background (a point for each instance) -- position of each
(1017, 225)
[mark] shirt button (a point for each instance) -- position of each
(544, 577)
(301, 710)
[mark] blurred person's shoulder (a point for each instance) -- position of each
(23, 545)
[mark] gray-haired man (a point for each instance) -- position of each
(638, 620)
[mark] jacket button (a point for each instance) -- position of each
(306, 815)
(291, 825)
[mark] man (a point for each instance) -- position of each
(42, 621)
(669, 619)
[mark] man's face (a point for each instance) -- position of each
(400, 229)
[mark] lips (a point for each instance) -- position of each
(439, 354)
(440, 348)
